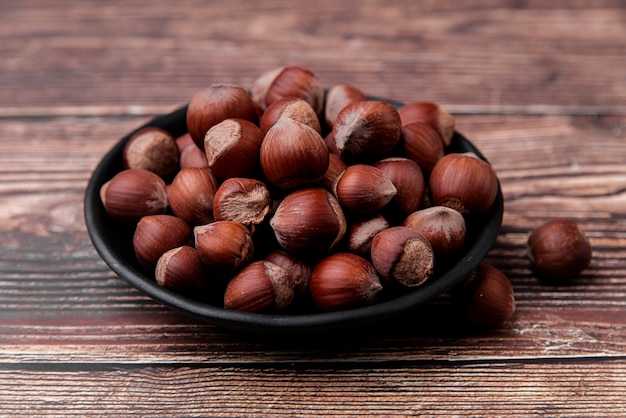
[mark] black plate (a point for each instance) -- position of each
(114, 244)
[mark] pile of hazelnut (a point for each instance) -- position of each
(289, 194)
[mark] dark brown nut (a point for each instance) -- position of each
(363, 189)
(367, 131)
(293, 155)
(559, 250)
(181, 270)
(152, 149)
(215, 104)
(343, 281)
(299, 272)
(337, 98)
(403, 255)
(293, 108)
(336, 167)
(443, 227)
(156, 234)
(432, 114)
(408, 179)
(485, 299)
(134, 193)
(259, 287)
(232, 148)
(361, 233)
(290, 81)
(191, 195)
(309, 222)
(422, 144)
(224, 246)
(242, 200)
(192, 156)
(463, 182)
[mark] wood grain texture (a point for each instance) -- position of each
(537, 86)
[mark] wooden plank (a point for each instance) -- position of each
(499, 389)
(481, 57)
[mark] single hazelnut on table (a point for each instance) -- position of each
(337, 98)
(343, 281)
(363, 189)
(243, 200)
(432, 114)
(408, 179)
(181, 270)
(463, 182)
(224, 246)
(403, 255)
(299, 272)
(152, 149)
(289, 81)
(216, 103)
(422, 144)
(559, 250)
(443, 227)
(259, 287)
(291, 107)
(485, 299)
(191, 195)
(156, 234)
(309, 222)
(232, 148)
(360, 234)
(293, 154)
(134, 193)
(367, 131)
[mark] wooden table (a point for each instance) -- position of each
(540, 89)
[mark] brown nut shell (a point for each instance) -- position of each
(259, 287)
(289, 81)
(134, 193)
(242, 200)
(360, 234)
(181, 270)
(309, 222)
(291, 107)
(152, 149)
(403, 255)
(224, 246)
(463, 182)
(156, 234)
(443, 227)
(343, 281)
(337, 98)
(422, 144)
(215, 104)
(559, 250)
(432, 114)
(191, 195)
(299, 272)
(363, 189)
(408, 179)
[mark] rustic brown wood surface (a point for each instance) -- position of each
(539, 87)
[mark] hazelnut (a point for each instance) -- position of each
(181, 270)
(422, 144)
(134, 193)
(463, 182)
(403, 255)
(337, 98)
(191, 195)
(152, 149)
(224, 246)
(258, 287)
(363, 189)
(342, 281)
(336, 166)
(293, 154)
(290, 81)
(367, 131)
(360, 234)
(408, 179)
(215, 104)
(443, 227)
(309, 222)
(232, 148)
(299, 272)
(156, 234)
(559, 250)
(243, 200)
(485, 299)
(432, 114)
(293, 108)
(192, 156)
